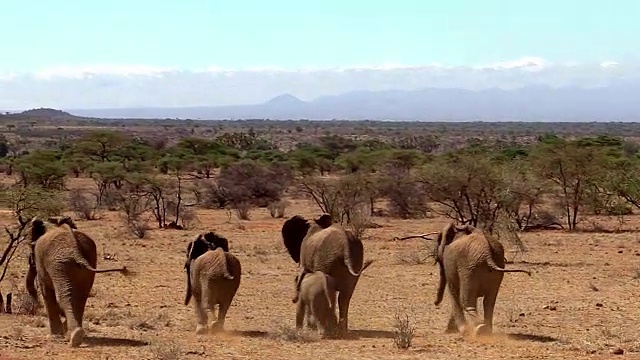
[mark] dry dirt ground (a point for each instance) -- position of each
(581, 301)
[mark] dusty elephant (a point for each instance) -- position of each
(213, 278)
(320, 245)
(317, 299)
(472, 264)
(63, 259)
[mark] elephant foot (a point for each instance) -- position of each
(76, 338)
(482, 330)
(201, 329)
(451, 327)
(216, 326)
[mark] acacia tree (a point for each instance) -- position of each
(467, 187)
(575, 168)
(25, 204)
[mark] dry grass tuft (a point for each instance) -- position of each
(288, 333)
(166, 351)
(404, 330)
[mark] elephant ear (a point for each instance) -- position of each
(37, 230)
(324, 221)
(216, 241)
(62, 220)
(445, 237)
(294, 231)
(196, 248)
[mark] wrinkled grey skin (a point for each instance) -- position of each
(213, 278)
(320, 245)
(472, 264)
(317, 300)
(63, 259)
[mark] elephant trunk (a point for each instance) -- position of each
(441, 285)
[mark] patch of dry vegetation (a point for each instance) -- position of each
(537, 196)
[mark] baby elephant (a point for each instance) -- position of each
(317, 300)
(213, 278)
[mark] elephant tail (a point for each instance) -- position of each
(31, 277)
(187, 297)
(83, 263)
(227, 275)
(495, 267)
(442, 285)
(351, 241)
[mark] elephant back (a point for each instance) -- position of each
(212, 263)
(325, 251)
(62, 243)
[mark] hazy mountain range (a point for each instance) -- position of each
(619, 101)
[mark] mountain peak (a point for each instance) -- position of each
(285, 99)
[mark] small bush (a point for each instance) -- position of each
(406, 198)
(84, 207)
(359, 221)
(110, 200)
(24, 304)
(292, 334)
(411, 257)
(166, 351)
(214, 196)
(277, 209)
(404, 330)
(243, 210)
(133, 210)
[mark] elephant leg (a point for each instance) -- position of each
(73, 307)
(300, 313)
(488, 304)
(73, 303)
(451, 325)
(456, 320)
(312, 321)
(222, 314)
(56, 327)
(201, 314)
(72, 287)
(469, 300)
(344, 298)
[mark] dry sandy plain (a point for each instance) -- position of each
(581, 301)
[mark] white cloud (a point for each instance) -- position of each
(609, 64)
(529, 63)
(80, 72)
(108, 86)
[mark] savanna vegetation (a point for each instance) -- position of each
(508, 180)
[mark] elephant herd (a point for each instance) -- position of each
(330, 261)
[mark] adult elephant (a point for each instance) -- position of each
(472, 264)
(63, 259)
(320, 245)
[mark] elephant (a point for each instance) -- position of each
(213, 278)
(64, 260)
(320, 245)
(472, 264)
(317, 300)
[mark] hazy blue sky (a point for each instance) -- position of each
(196, 34)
